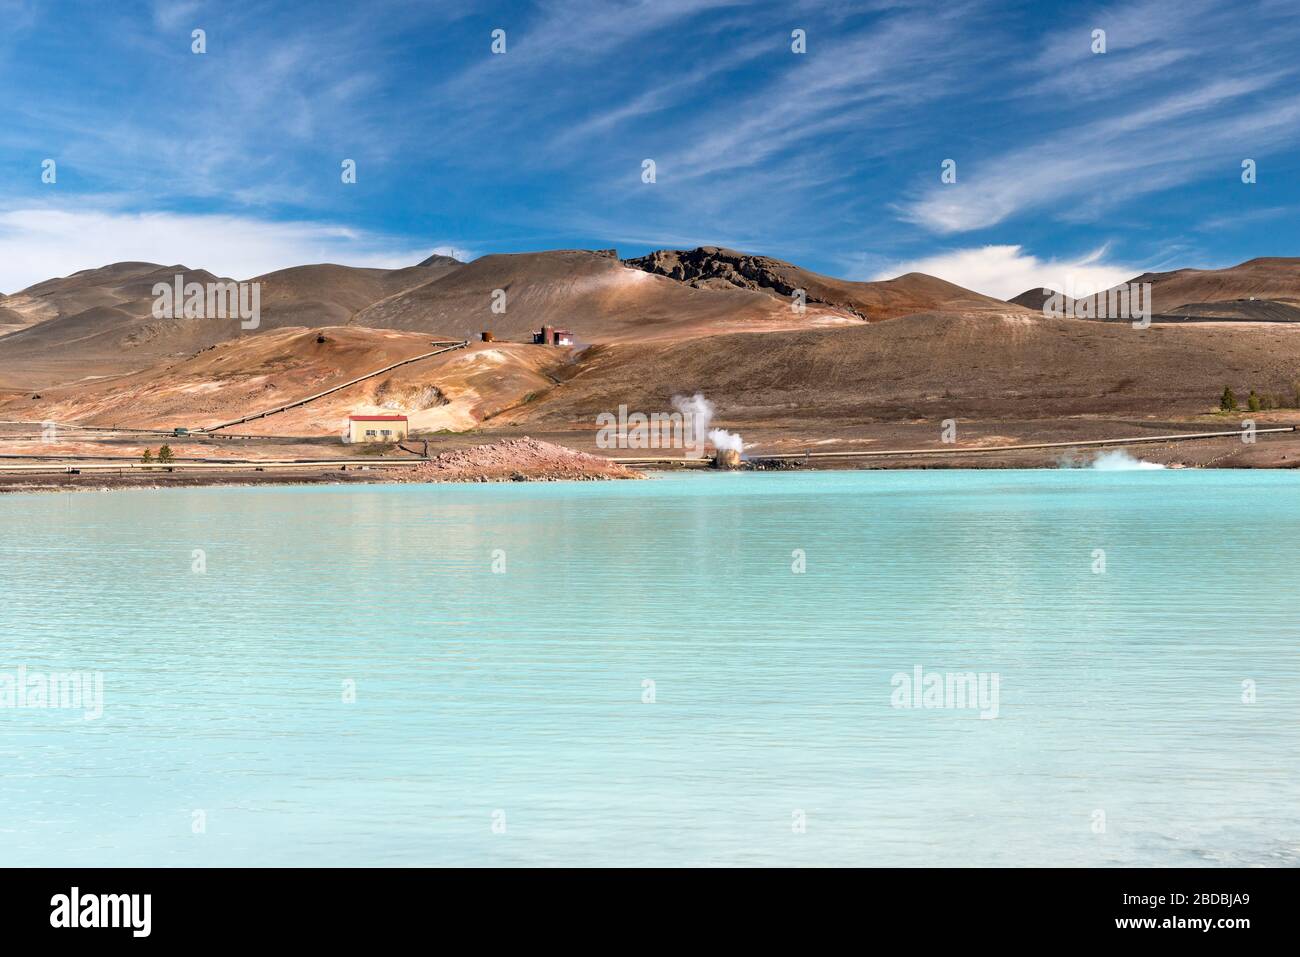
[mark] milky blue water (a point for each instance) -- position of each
(508, 717)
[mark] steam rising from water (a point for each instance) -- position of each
(1118, 460)
(1112, 460)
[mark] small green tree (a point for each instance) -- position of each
(147, 457)
(1228, 402)
(1252, 402)
(165, 453)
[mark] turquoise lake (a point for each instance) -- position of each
(342, 678)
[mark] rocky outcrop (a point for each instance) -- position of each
(711, 266)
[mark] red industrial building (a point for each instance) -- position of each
(550, 336)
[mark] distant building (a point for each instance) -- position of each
(550, 336)
(377, 428)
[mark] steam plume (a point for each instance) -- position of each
(722, 439)
(1112, 460)
(700, 411)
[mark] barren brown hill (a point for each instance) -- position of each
(110, 285)
(1264, 278)
(591, 293)
(328, 294)
(1179, 292)
(1035, 299)
(121, 286)
(931, 365)
(714, 267)
(452, 391)
(100, 322)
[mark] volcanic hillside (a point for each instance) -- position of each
(326, 294)
(100, 322)
(455, 390)
(710, 320)
(932, 365)
(713, 267)
(589, 292)
(1266, 278)
(1265, 289)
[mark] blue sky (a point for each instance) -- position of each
(1072, 166)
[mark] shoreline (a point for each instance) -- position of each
(507, 460)
(62, 482)
(106, 464)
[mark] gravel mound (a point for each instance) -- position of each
(519, 460)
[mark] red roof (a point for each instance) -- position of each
(377, 418)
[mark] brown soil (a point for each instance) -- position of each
(972, 367)
(454, 391)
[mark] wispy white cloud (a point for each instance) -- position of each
(173, 14)
(1183, 90)
(852, 78)
(1245, 219)
(1100, 164)
(1142, 39)
(277, 96)
(1006, 271)
(40, 243)
(761, 160)
(565, 32)
(664, 94)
